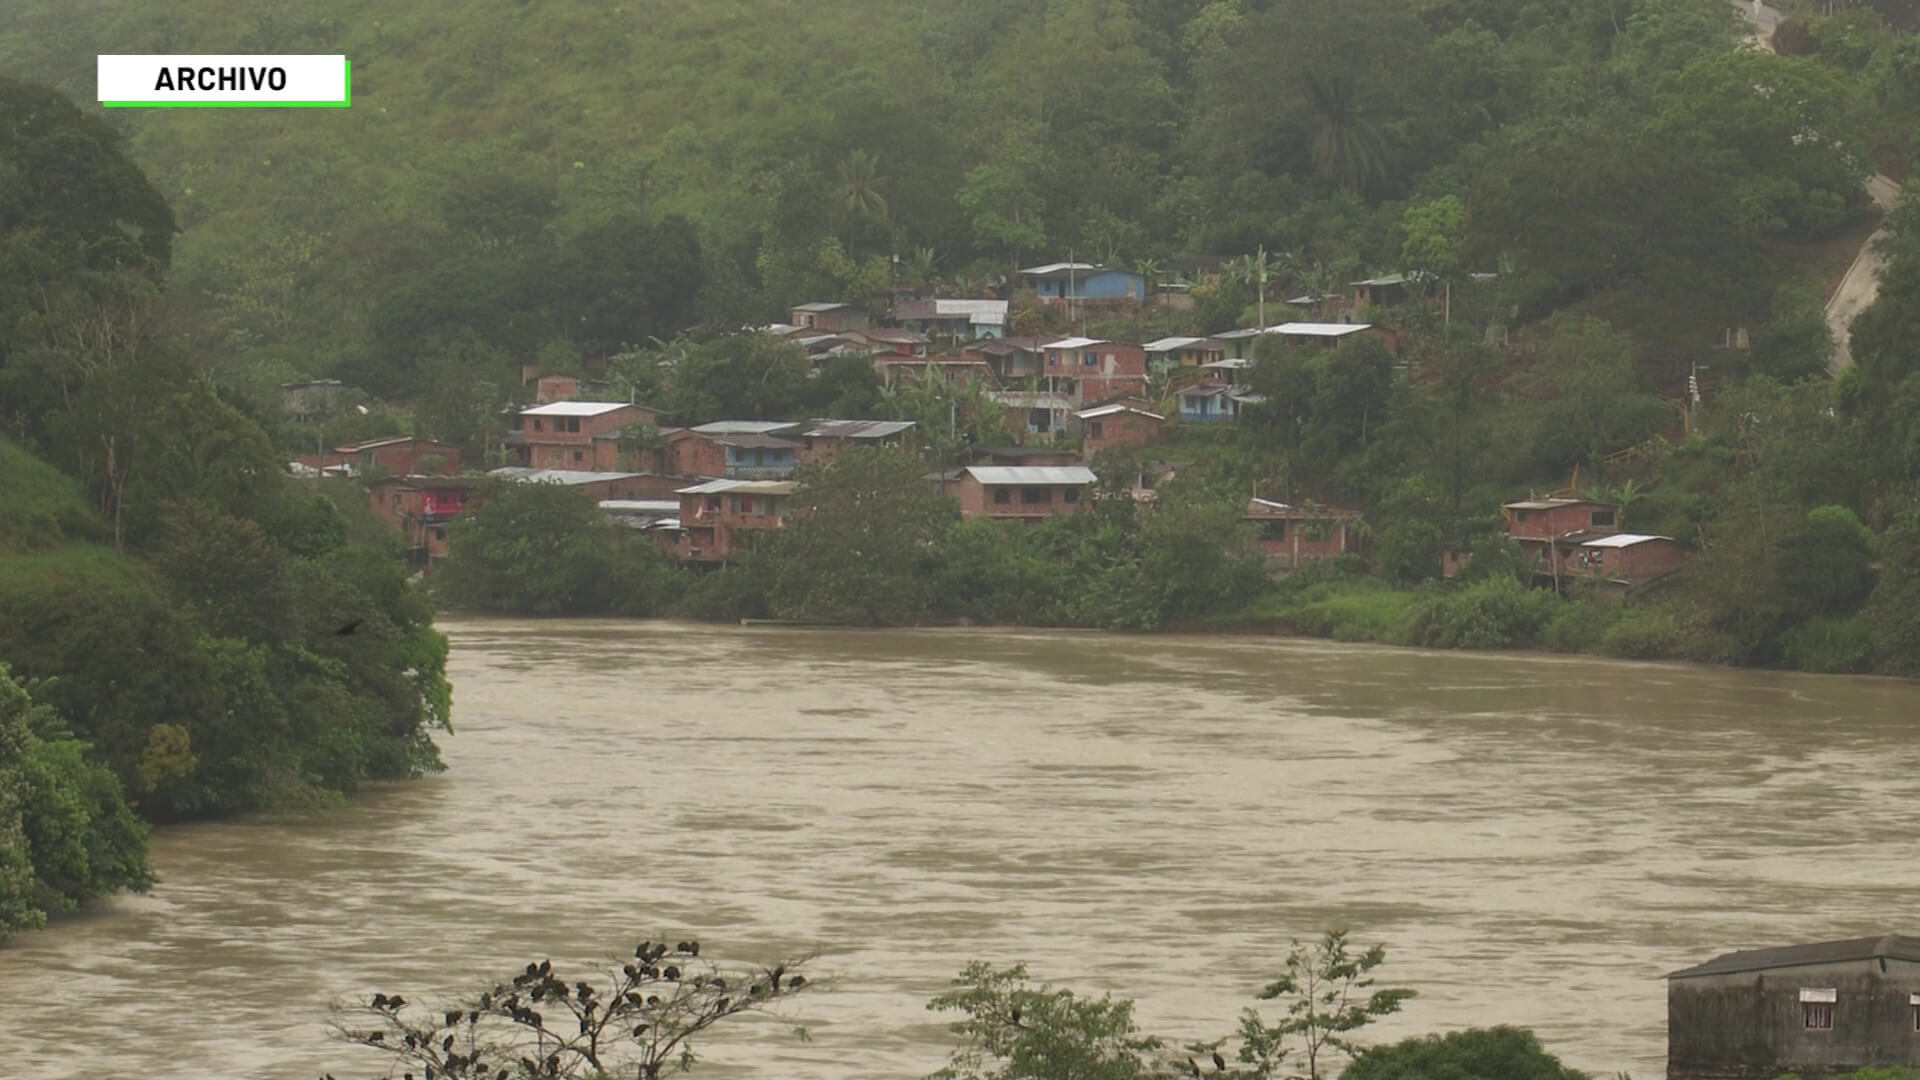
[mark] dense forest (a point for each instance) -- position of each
(188, 632)
(559, 179)
(183, 631)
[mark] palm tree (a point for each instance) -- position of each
(1347, 145)
(921, 267)
(1149, 269)
(858, 185)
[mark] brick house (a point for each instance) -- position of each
(561, 434)
(1022, 492)
(1813, 1010)
(880, 341)
(822, 439)
(551, 388)
(1628, 558)
(1105, 427)
(1292, 535)
(716, 517)
(1088, 369)
(895, 369)
(598, 486)
(829, 316)
(1013, 360)
(953, 319)
(396, 455)
(731, 449)
(420, 508)
(1170, 353)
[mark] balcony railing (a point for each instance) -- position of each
(759, 472)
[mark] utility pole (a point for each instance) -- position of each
(1260, 275)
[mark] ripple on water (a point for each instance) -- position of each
(1536, 839)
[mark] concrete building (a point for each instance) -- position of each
(1813, 1010)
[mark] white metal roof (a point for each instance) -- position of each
(1319, 329)
(1074, 343)
(855, 429)
(1236, 335)
(1168, 344)
(969, 307)
(743, 427)
(739, 487)
(1057, 268)
(641, 506)
(987, 318)
(1032, 474)
(1109, 410)
(1030, 400)
(1550, 504)
(569, 477)
(1620, 540)
(821, 305)
(1270, 504)
(575, 408)
(1232, 363)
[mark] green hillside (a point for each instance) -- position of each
(44, 507)
(507, 184)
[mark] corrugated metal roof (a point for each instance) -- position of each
(570, 477)
(1109, 410)
(1236, 335)
(739, 487)
(1170, 344)
(1032, 474)
(970, 307)
(1318, 329)
(1620, 540)
(821, 305)
(1889, 946)
(742, 427)
(1075, 342)
(1058, 268)
(1550, 504)
(1026, 400)
(577, 408)
(1232, 363)
(1396, 279)
(641, 506)
(909, 337)
(753, 440)
(856, 429)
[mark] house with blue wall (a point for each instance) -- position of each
(1084, 281)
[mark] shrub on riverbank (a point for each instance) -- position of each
(67, 834)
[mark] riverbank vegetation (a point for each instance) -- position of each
(199, 634)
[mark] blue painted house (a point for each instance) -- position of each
(1085, 281)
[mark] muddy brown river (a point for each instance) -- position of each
(1536, 840)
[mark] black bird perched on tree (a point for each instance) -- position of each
(1193, 1066)
(1219, 1062)
(379, 1001)
(1016, 1014)
(349, 628)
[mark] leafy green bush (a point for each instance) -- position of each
(1579, 625)
(1497, 613)
(1829, 646)
(1641, 634)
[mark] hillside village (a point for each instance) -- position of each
(1066, 401)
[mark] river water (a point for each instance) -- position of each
(1535, 839)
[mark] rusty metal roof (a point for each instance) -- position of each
(1887, 946)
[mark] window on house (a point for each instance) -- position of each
(1072, 495)
(1274, 530)
(573, 424)
(1916, 1017)
(1090, 359)
(1602, 519)
(1002, 495)
(1093, 429)
(579, 456)
(1034, 495)
(742, 505)
(537, 422)
(439, 534)
(1519, 515)
(1816, 1008)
